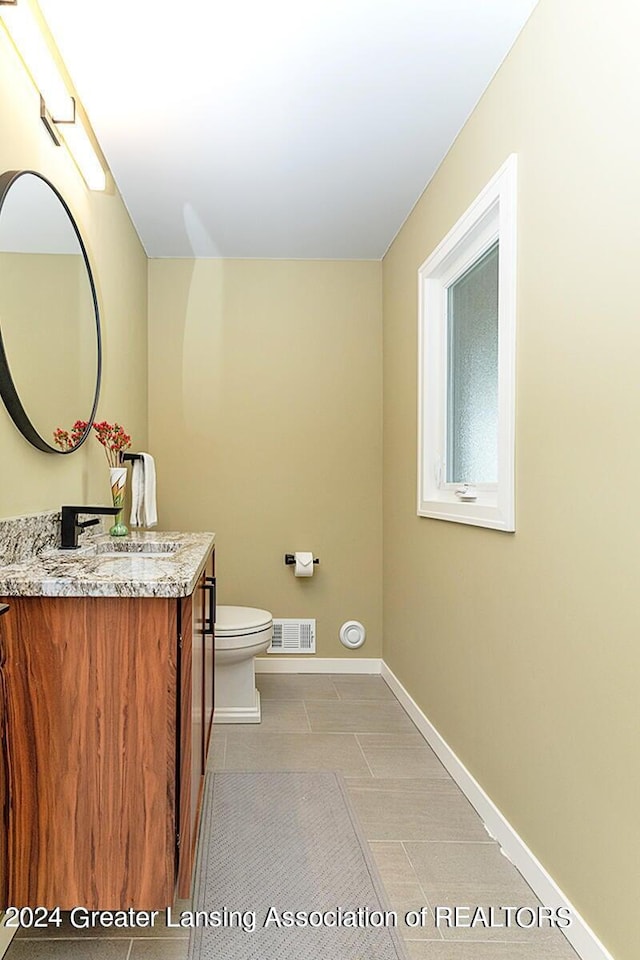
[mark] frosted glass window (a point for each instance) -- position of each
(472, 373)
(467, 363)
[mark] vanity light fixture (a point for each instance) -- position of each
(57, 106)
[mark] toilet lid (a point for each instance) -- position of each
(232, 621)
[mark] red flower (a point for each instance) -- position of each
(61, 438)
(113, 438)
(111, 435)
(69, 440)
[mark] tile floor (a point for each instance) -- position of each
(429, 844)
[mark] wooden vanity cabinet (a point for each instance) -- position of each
(103, 734)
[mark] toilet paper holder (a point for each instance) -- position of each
(290, 559)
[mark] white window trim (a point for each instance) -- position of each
(491, 217)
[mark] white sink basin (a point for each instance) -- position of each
(149, 549)
(137, 567)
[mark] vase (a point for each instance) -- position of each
(118, 481)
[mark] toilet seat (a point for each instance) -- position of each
(242, 627)
(241, 621)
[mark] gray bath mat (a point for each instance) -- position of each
(273, 845)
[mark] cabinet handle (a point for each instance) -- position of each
(210, 585)
(3, 609)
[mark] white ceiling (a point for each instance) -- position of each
(278, 128)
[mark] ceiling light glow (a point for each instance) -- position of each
(81, 149)
(24, 30)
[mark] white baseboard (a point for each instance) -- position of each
(276, 663)
(579, 934)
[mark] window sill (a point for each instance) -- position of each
(483, 512)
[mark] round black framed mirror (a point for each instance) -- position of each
(50, 342)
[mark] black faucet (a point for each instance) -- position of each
(71, 526)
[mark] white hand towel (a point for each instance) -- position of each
(144, 512)
(149, 506)
(137, 492)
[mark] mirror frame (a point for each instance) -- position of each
(8, 390)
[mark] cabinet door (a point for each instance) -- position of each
(189, 773)
(88, 714)
(196, 653)
(209, 644)
(4, 794)
(197, 700)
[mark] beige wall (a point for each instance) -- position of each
(265, 421)
(524, 649)
(30, 480)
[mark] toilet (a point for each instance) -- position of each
(241, 634)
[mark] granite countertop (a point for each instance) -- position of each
(142, 564)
